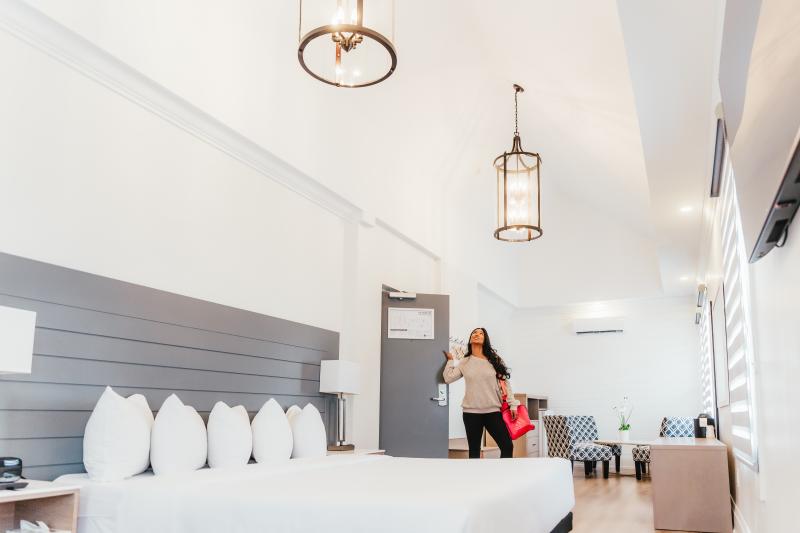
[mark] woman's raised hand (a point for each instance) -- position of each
(448, 355)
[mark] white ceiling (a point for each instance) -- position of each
(618, 103)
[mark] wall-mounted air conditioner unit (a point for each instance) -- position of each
(582, 326)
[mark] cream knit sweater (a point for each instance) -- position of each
(482, 394)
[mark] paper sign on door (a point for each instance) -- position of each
(410, 323)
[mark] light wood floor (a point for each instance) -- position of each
(619, 504)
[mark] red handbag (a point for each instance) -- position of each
(519, 426)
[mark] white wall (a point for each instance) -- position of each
(654, 362)
(473, 306)
(376, 257)
(92, 181)
(764, 499)
(767, 500)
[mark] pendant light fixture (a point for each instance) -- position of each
(519, 217)
(341, 43)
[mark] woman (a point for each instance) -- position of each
(481, 369)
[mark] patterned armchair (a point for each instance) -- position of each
(671, 426)
(571, 437)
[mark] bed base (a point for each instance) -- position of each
(565, 526)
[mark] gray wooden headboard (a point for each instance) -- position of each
(93, 331)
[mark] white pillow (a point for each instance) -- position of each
(272, 434)
(308, 433)
(230, 441)
(116, 441)
(291, 412)
(179, 442)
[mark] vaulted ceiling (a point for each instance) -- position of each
(618, 102)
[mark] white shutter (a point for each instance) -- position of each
(737, 320)
(706, 360)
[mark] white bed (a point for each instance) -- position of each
(338, 493)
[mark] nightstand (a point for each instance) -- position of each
(54, 504)
(359, 451)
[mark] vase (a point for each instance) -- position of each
(625, 435)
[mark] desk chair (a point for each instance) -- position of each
(671, 426)
(571, 437)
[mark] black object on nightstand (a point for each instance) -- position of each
(10, 473)
(12, 465)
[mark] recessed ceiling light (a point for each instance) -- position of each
(684, 278)
(686, 209)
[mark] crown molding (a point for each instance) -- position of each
(379, 222)
(43, 33)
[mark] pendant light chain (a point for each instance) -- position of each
(516, 113)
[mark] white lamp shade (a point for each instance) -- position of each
(16, 340)
(337, 376)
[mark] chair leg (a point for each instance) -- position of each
(572, 464)
(594, 466)
(605, 469)
(616, 462)
(587, 468)
(638, 466)
(644, 467)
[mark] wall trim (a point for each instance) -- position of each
(740, 525)
(486, 288)
(405, 238)
(43, 33)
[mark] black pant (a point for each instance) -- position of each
(494, 424)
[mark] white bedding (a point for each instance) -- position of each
(341, 493)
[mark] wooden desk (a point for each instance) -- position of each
(458, 449)
(609, 442)
(690, 485)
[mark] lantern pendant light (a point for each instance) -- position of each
(519, 203)
(342, 45)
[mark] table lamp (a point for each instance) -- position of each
(16, 340)
(340, 378)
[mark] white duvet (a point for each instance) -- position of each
(339, 493)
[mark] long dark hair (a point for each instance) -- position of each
(500, 367)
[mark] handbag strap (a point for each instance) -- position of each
(503, 388)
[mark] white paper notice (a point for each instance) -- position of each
(410, 323)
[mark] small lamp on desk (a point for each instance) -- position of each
(16, 357)
(340, 378)
(16, 340)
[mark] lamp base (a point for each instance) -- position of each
(341, 448)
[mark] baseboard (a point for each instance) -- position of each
(740, 525)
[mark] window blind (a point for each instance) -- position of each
(739, 337)
(706, 360)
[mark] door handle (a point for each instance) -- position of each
(442, 398)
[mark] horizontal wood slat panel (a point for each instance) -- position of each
(64, 318)
(93, 331)
(48, 451)
(51, 471)
(86, 372)
(41, 281)
(60, 424)
(79, 345)
(38, 424)
(59, 397)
